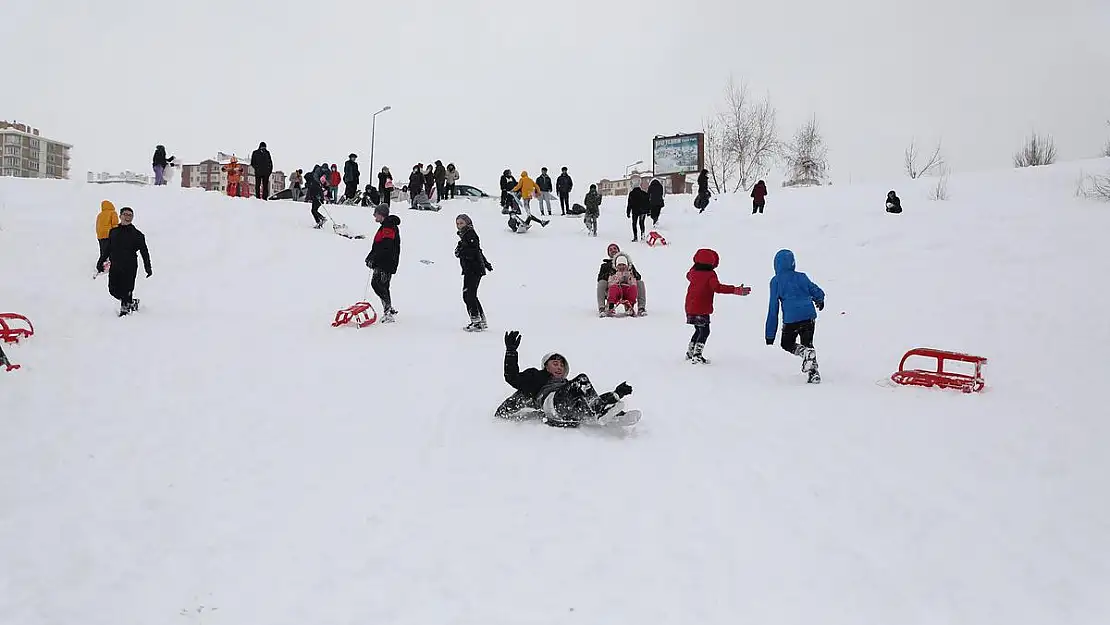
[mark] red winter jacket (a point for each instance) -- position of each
(704, 283)
(334, 178)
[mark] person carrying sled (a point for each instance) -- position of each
(607, 269)
(800, 299)
(474, 266)
(547, 391)
(759, 197)
(105, 221)
(622, 285)
(124, 242)
(699, 300)
(384, 256)
(593, 210)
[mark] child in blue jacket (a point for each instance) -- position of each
(800, 300)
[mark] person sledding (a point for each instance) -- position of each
(622, 286)
(520, 226)
(606, 270)
(560, 402)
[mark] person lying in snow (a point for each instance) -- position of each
(520, 226)
(562, 402)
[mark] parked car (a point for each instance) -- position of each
(467, 191)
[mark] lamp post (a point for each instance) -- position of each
(627, 167)
(373, 128)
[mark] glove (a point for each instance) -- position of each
(489, 267)
(771, 341)
(149, 273)
(623, 389)
(743, 290)
(512, 341)
(820, 305)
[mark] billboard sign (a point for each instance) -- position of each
(678, 154)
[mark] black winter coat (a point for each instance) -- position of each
(564, 184)
(350, 172)
(469, 253)
(124, 242)
(607, 270)
(416, 183)
(385, 254)
(507, 183)
(530, 381)
(703, 184)
(655, 194)
(160, 159)
(638, 202)
(261, 162)
(312, 188)
(440, 174)
(382, 177)
(544, 183)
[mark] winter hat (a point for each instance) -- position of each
(466, 218)
(382, 209)
(262, 145)
(548, 357)
(523, 174)
(622, 259)
(107, 206)
(352, 155)
(706, 256)
(613, 250)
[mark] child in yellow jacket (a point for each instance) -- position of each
(105, 221)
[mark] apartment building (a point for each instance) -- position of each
(209, 175)
(673, 183)
(27, 154)
(127, 177)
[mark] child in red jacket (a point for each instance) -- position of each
(699, 300)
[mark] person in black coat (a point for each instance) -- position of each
(639, 205)
(474, 266)
(508, 182)
(440, 173)
(384, 256)
(655, 200)
(351, 176)
(893, 203)
(263, 167)
(546, 391)
(314, 193)
(563, 186)
(543, 182)
(702, 198)
(416, 183)
(124, 242)
(383, 190)
(160, 162)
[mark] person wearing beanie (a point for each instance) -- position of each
(563, 186)
(606, 271)
(351, 176)
(507, 183)
(547, 393)
(699, 300)
(474, 266)
(384, 256)
(124, 242)
(105, 221)
(263, 165)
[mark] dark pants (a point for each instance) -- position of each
(564, 201)
(316, 203)
(792, 332)
(655, 212)
(440, 187)
(380, 283)
(575, 399)
(385, 191)
(470, 296)
(262, 187)
(121, 281)
(451, 190)
(638, 220)
(352, 190)
(103, 253)
(757, 206)
(701, 328)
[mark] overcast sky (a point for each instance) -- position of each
(490, 84)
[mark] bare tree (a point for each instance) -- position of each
(718, 161)
(806, 156)
(1095, 187)
(940, 189)
(1037, 151)
(750, 132)
(1106, 148)
(932, 165)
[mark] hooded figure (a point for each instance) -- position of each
(384, 257)
(606, 270)
(160, 163)
(474, 265)
(106, 219)
(703, 286)
(655, 200)
(800, 299)
(893, 203)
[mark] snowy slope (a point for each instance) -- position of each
(227, 448)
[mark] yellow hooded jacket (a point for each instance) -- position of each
(527, 187)
(106, 220)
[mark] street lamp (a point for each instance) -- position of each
(627, 167)
(373, 128)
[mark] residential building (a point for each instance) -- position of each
(27, 154)
(642, 179)
(210, 175)
(127, 177)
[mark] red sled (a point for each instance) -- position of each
(654, 238)
(362, 314)
(941, 378)
(11, 330)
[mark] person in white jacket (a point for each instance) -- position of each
(451, 179)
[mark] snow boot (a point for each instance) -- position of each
(602, 312)
(483, 324)
(690, 350)
(808, 356)
(697, 358)
(475, 325)
(387, 316)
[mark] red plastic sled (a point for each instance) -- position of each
(362, 314)
(11, 332)
(941, 378)
(654, 238)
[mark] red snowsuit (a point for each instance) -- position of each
(704, 284)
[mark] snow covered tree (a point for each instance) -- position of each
(718, 161)
(807, 156)
(749, 130)
(1037, 151)
(932, 165)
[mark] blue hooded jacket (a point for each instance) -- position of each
(794, 291)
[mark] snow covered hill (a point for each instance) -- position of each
(225, 456)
